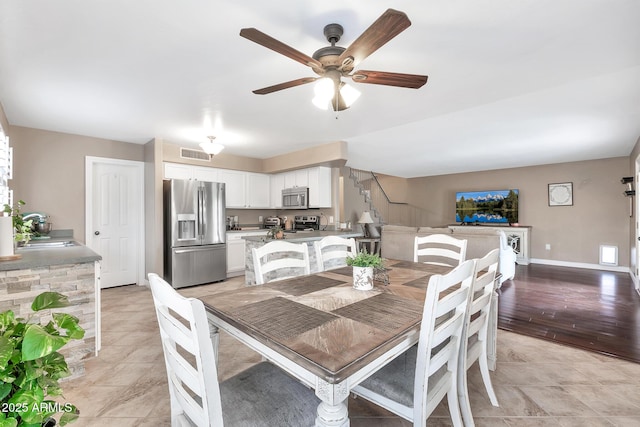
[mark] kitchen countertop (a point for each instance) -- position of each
(34, 258)
(306, 236)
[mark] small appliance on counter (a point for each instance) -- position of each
(306, 222)
(272, 222)
(40, 224)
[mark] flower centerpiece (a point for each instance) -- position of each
(363, 264)
(276, 233)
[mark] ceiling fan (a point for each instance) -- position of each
(334, 62)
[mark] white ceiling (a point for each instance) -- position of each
(511, 83)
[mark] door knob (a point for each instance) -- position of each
(97, 233)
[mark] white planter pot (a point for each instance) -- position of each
(363, 278)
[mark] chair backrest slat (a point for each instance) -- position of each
(439, 249)
(332, 251)
(290, 258)
(189, 356)
(443, 317)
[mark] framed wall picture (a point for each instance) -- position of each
(561, 194)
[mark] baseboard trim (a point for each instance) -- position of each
(620, 269)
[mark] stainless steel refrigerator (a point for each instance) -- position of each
(195, 232)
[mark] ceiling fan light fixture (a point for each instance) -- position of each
(324, 90)
(349, 94)
(211, 147)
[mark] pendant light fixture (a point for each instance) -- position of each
(211, 147)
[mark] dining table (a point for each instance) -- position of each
(325, 333)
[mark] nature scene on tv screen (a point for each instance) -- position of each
(492, 207)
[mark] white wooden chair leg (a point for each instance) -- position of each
(463, 398)
(484, 370)
(454, 407)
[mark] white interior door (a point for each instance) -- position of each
(115, 218)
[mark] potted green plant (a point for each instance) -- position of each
(31, 366)
(276, 233)
(363, 264)
(21, 228)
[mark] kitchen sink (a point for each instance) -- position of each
(49, 245)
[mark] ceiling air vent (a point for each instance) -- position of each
(188, 153)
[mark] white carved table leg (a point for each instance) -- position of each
(332, 411)
(215, 340)
(492, 332)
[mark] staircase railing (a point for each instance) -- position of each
(381, 207)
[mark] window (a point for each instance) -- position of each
(6, 169)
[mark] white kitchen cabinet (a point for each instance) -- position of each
(296, 178)
(258, 191)
(182, 171)
(178, 171)
(277, 185)
(235, 187)
(319, 187)
(236, 251)
(205, 174)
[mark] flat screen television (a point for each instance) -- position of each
(487, 207)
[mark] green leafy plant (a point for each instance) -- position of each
(31, 366)
(21, 228)
(276, 233)
(365, 259)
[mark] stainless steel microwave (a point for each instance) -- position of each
(295, 198)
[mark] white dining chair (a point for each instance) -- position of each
(262, 395)
(332, 251)
(413, 384)
(439, 249)
(474, 336)
(279, 260)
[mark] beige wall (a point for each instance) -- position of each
(50, 172)
(599, 215)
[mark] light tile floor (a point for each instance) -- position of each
(538, 383)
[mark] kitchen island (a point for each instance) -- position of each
(307, 237)
(69, 268)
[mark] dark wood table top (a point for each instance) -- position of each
(324, 325)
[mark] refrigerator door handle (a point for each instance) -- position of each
(194, 249)
(200, 221)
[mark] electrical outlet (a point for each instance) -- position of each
(548, 246)
(331, 219)
(260, 219)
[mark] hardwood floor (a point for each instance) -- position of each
(589, 309)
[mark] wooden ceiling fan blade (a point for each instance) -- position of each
(285, 85)
(387, 26)
(412, 81)
(269, 42)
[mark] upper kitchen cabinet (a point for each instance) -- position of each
(319, 187)
(277, 185)
(180, 171)
(258, 194)
(318, 179)
(246, 190)
(296, 178)
(235, 187)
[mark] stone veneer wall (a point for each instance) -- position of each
(18, 288)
